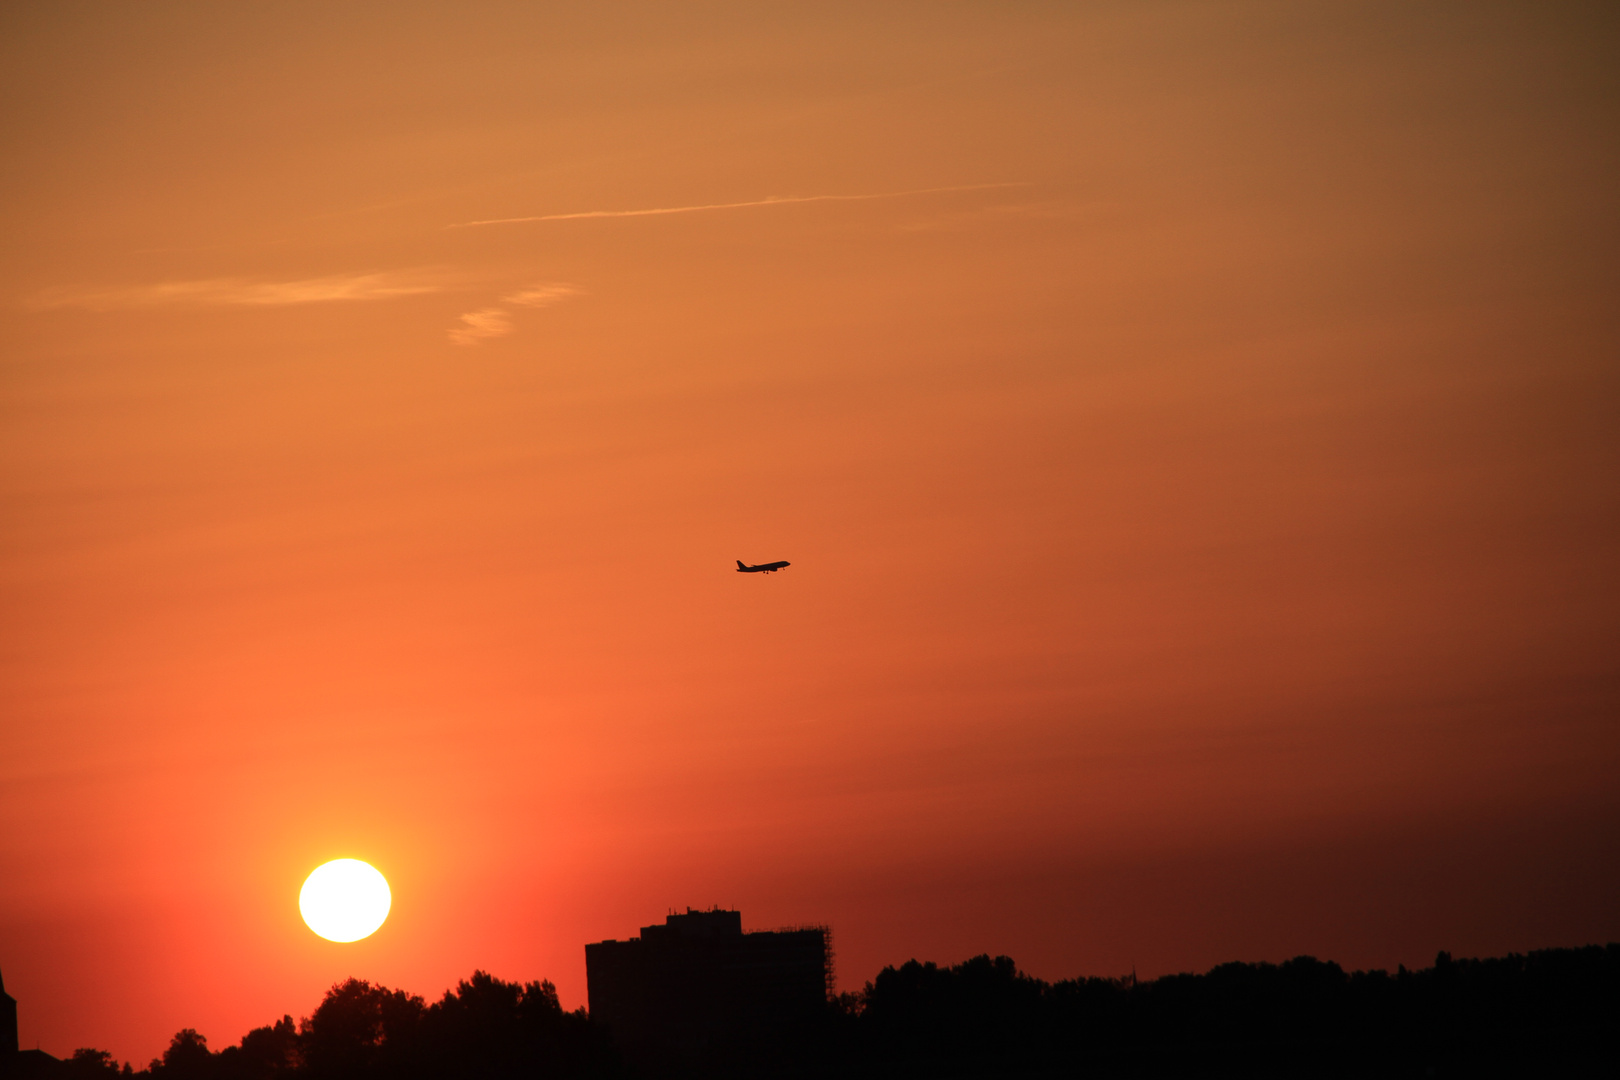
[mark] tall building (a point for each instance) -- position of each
(698, 991)
(16, 1063)
(8, 1025)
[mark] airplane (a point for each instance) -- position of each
(762, 568)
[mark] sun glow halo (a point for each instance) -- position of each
(345, 900)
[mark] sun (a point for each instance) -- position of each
(345, 900)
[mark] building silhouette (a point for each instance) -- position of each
(15, 1062)
(697, 990)
(8, 1026)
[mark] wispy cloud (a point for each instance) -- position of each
(770, 200)
(242, 292)
(542, 295)
(493, 322)
(481, 325)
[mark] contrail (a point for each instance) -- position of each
(770, 200)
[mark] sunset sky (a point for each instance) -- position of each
(1194, 427)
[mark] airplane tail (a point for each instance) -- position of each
(741, 565)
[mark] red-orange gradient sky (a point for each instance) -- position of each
(1193, 427)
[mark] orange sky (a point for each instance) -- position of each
(1193, 428)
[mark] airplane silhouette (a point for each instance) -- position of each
(762, 568)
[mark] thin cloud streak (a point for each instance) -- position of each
(480, 326)
(542, 295)
(493, 322)
(242, 292)
(770, 200)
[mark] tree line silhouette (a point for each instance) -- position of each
(1555, 1011)
(483, 1028)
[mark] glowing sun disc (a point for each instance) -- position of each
(345, 900)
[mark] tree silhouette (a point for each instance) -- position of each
(264, 1054)
(89, 1064)
(1555, 1012)
(489, 1028)
(187, 1058)
(360, 1030)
